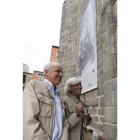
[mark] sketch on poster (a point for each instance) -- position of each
(87, 49)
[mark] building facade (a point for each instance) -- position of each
(26, 78)
(54, 54)
(38, 75)
(101, 101)
(26, 75)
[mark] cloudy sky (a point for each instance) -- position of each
(41, 30)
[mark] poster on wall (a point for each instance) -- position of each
(87, 48)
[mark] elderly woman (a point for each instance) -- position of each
(75, 109)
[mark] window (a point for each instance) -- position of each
(39, 77)
(57, 52)
(42, 77)
(24, 79)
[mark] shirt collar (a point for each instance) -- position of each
(51, 87)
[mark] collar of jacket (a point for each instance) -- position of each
(49, 92)
(76, 99)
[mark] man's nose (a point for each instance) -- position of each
(61, 74)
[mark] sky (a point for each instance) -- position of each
(41, 30)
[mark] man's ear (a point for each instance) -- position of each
(46, 71)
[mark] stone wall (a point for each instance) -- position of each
(102, 101)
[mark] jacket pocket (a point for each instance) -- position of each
(46, 107)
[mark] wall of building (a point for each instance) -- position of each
(38, 75)
(54, 57)
(102, 101)
(28, 78)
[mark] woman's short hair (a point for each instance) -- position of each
(69, 82)
(48, 66)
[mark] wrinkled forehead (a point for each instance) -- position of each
(54, 67)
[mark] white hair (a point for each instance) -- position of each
(48, 66)
(69, 82)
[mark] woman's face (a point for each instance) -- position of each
(76, 89)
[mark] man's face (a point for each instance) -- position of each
(55, 74)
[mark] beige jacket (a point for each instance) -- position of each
(75, 122)
(38, 111)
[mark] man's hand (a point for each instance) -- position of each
(78, 109)
(87, 116)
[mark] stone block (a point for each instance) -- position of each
(82, 97)
(110, 99)
(73, 74)
(92, 111)
(70, 45)
(102, 102)
(101, 111)
(64, 67)
(111, 115)
(68, 58)
(101, 90)
(100, 72)
(87, 102)
(64, 47)
(62, 86)
(94, 118)
(99, 48)
(100, 65)
(110, 74)
(65, 39)
(109, 62)
(110, 131)
(59, 57)
(110, 86)
(71, 62)
(100, 127)
(111, 41)
(91, 94)
(72, 32)
(94, 125)
(112, 50)
(61, 52)
(75, 48)
(110, 19)
(60, 61)
(109, 9)
(104, 36)
(94, 102)
(72, 65)
(100, 40)
(64, 55)
(111, 30)
(69, 41)
(104, 45)
(72, 70)
(68, 50)
(75, 35)
(102, 119)
(100, 81)
(98, 34)
(98, 27)
(73, 52)
(100, 56)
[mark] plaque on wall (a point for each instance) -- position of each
(87, 48)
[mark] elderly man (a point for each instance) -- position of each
(42, 110)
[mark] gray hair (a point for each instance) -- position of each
(48, 66)
(69, 82)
